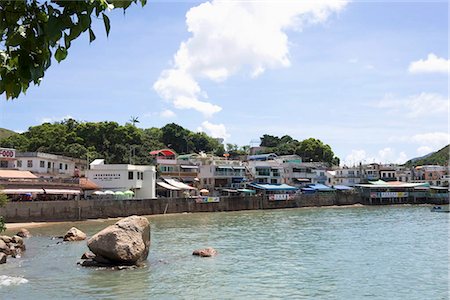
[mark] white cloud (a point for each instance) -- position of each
(353, 60)
(423, 150)
(424, 104)
(167, 114)
(432, 64)
(214, 130)
(431, 139)
(55, 119)
(230, 36)
(385, 155)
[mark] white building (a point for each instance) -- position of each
(49, 165)
(7, 158)
(122, 177)
(344, 176)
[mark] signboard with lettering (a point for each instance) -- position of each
(206, 199)
(281, 197)
(7, 153)
(389, 194)
(106, 176)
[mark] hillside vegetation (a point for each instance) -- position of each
(440, 157)
(4, 133)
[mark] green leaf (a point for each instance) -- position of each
(60, 54)
(91, 36)
(107, 24)
(66, 41)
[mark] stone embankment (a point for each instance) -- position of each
(12, 246)
(126, 243)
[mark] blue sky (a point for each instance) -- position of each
(368, 78)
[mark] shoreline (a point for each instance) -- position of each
(17, 226)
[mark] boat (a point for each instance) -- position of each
(440, 208)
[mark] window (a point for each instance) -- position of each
(42, 164)
(3, 164)
(60, 166)
(130, 175)
(273, 181)
(29, 163)
(142, 175)
(49, 165)
(65, 167)
(19, 164)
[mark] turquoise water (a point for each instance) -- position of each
(396, 252)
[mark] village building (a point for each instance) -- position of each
(139, 179)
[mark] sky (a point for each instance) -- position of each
(369, 78)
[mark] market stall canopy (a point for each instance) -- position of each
(128, 192)
(320, 187)
(247, 191)
(342, 188)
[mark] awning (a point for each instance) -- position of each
(321, 187)
(342, 187)
(41, 191)
(167, 186)
(273, 187)
(238, 167)
(303, 179)
(188, 167)
(247, 191)
(163, 152)
(179, 184)
(224, 167)
(16, 174)
(229, 190)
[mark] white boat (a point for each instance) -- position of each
(440, 208)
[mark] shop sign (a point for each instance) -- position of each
(7, 153)
(281, 197)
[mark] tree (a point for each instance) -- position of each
(31, 31)
(134, 120)
(315, 150)
(269, 141)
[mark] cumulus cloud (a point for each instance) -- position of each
(230, 36)
(424, 104)
(214, 130)
(167, 114)
(432, 64)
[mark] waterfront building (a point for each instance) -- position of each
(344, 176)
(47, 165)
(7, 158)
(432, 174)
(140, 179)
(182, 167)
(216, 173)
(265, 169)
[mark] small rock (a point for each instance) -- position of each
(4, 248)
(5, 238)
(88, 255)
(24, 233)
(2, 258)
(207, 252)
(74, 234)
(17, 239)
(12, 251)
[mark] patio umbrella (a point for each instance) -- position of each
(98, 193)
(129, 193)
(204, 191)
(109, 193)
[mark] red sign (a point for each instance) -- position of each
(7, 153)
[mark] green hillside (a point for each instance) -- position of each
(4, 133)
(440, 157)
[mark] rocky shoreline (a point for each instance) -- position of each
(13, 246)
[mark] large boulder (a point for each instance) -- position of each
(74, 234)
(127, 242)
(23, 233)
(4, 248)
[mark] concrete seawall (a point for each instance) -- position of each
(38, 211)
(71, 210)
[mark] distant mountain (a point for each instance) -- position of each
(440, 157)
(4, 133)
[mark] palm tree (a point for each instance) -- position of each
(134, 120)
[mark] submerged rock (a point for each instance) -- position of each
(127, 242)
(87, 255)
(24, 233)
(2, 258)
(207, 252)
(74, 234)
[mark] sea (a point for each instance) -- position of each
(377, 252)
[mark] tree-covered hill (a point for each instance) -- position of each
(440, 157)
(110, 140)
(4, 133)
